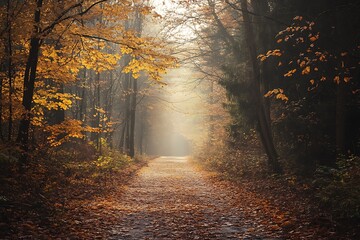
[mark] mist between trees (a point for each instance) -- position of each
(255, 88)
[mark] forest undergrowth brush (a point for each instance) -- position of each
(338, 187)
(55, 181)
(330, 195)
(233, 163)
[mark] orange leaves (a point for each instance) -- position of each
(313, 38)
(302, 64)
(306, 71)
(67, 129)
(311, 61)
(275, 52)
(290, 73)
(347, 79)
(275, 227)
(278, 93)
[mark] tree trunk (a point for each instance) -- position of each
(10, 74)
(82, 110)
(29, 84)
(124, 140)
(132, 118)
(263, 125)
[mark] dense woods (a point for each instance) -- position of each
(67, 64)
(83, 86)
(290, 73)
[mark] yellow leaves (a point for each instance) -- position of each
(98, 59)
(57, 65)
(67, 130)
(64, 131)
(278, 93)
(337, 79)
(126, 50)
(312, 81)
(49, 98)
(149, 58)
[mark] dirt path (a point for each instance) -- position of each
(171, 200)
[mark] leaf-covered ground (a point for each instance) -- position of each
(172, 199)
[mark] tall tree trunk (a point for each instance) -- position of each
(211, 134)
(29, 84)
(132, 118)
(142, 129)
(82, 109)
(124, 139)
(263, 125)
(10, 73)
(98, 116)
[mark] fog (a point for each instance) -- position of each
(176, 117)
(176, 121)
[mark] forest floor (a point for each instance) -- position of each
(172, 198)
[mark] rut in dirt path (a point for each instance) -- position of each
(169, 199)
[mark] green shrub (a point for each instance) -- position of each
(112, 160)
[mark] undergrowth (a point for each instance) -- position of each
(55, 179)
(338, 187)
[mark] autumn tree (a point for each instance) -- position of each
(318, 52)
(65, 42)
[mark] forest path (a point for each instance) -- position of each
(170, 199)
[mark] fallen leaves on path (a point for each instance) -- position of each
(172, 199)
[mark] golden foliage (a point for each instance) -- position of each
(278, 93)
